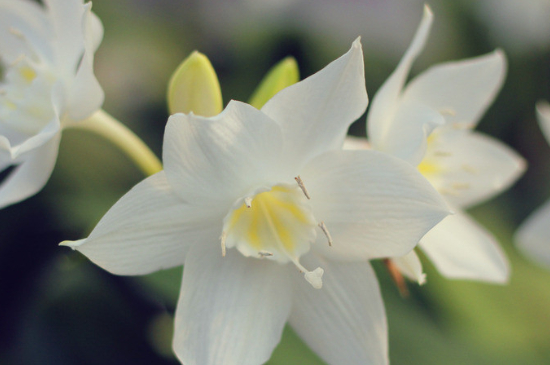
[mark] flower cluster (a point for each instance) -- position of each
(273, 211)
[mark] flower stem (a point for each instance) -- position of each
(111, 129)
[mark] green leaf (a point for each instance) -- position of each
(194, 87)
(284, 74)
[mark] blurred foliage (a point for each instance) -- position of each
(60, 309)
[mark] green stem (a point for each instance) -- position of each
(111, 129)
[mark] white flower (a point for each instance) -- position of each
(47, 55)
(233, 175)
(429, 123)
(533, 236)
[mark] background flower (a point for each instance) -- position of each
(47, 52)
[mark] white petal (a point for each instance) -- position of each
(231, 310)
(86, 95)
(66, 17)
(533, 236)
(31, 175)
(410, 266)
(356, 143)
(148, 229)
(24, 29)
(373, 204)
(407, 137)
(316, 113)
(381, 115)
(474, 167)
(543, 116)
(461, 249)
(345, 321)
(461, 90)
(220, 159)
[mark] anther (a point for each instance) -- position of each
(302, 186)
(264, 254)
(248, 202)
(326, 232)
(461, 186)
(470, 169)
(442, 153)
(16, 32)
(223, 237)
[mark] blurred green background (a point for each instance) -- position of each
(58, 308)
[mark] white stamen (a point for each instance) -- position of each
(16, 32)
(447, 111)
(447, 192)
(223, 237)
(326, 232)
(264, 254)
(315, 277)
(470, 169)
(248, 202)
(302, 186)
(461, 186)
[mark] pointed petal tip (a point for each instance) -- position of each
(72, 244)
(428, 11)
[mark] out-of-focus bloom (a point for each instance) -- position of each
(287, 204)
(533, 236)
(47, 55)
(429, 123)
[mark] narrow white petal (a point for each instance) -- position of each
(373, 204)
(345, 321)
(86, 95)
(461, 249)
(410, 266)
(461, 90)
(385, 103)
(533, 236)
(148, 229)
(474, 167)
(543, 116)
(66, 18)
(316, 113)
(31, 175)
(231, 310)
(219, 159)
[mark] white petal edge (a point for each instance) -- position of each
(231, 309)
(218, 160)
(385, 103)
(345, 321)
(462, 249)
(543, 117)
(460, 90)
(315, 114)
(475, 167)
(373, 204)
(148, 229)
(31, 175)
(411, 267)
(86, 95)
(533, 236)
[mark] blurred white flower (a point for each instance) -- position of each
(429, 123)
(533, 236)
(287, 204)
(47, 56)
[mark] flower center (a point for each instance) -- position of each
(25, 97)
(276, 224)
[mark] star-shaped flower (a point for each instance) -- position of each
(429, 123)
(533, 236)
(258, 205)
(47, 54)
